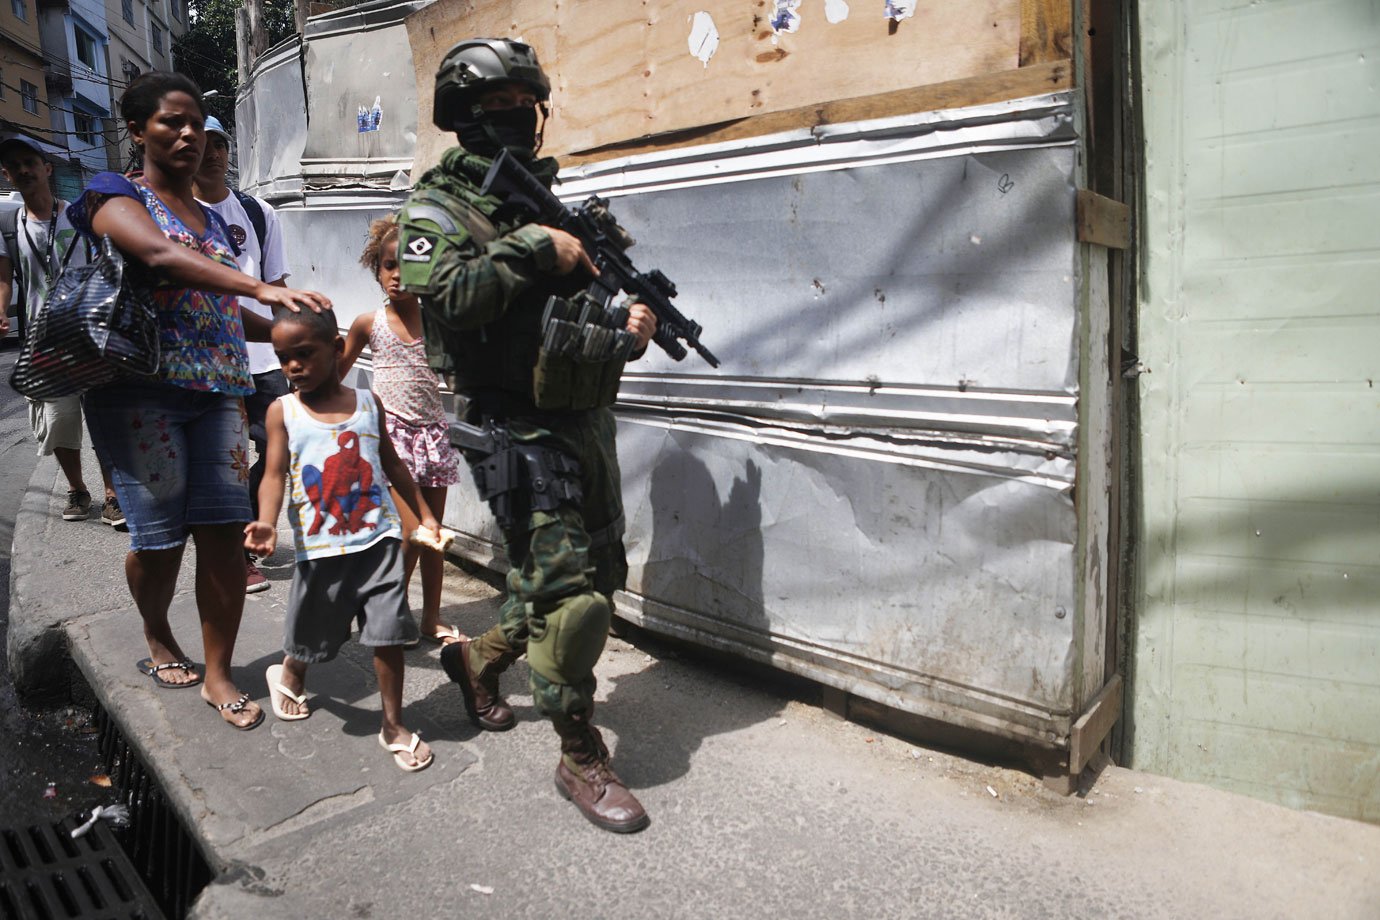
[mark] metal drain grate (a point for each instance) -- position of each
(161, 850)
(46, 875)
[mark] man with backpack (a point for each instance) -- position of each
(36, 243)
(258, 243)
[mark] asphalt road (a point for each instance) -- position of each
(39, 744)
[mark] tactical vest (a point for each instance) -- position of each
(508, 354)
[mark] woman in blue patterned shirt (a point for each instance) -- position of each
(176, 444)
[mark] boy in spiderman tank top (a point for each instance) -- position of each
(329, 442)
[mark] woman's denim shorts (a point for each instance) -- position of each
(178, 458)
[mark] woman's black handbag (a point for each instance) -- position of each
(98, 324)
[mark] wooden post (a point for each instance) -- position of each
(242, 44)
(258, 31)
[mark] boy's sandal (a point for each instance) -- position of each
(277, 693)
(398, 750)
(149, 669)
(237, 706)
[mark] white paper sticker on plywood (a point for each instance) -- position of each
(899, 9)
(704, 37)
(785, 18)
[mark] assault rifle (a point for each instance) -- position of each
(606, 243)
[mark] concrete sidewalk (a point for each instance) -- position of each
(761, 804)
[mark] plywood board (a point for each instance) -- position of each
(952, 94)
(624, 69)
(1046, 31)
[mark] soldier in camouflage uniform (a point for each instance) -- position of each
(483, 275)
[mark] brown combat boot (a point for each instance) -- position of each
(485, 707)
(585, 778)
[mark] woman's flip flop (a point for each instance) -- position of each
(236, 706)
(148, 668)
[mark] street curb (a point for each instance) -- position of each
(36, 646)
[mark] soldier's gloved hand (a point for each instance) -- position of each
(641, 323)
(570, 252)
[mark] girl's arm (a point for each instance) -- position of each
(261, 536)
(400, 478)
(355, 340)
(132, 230)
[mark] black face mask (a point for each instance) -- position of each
(515, 129)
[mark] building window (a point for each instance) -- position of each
(28, 95)
(176, 7)
(86, 127)
(87, 51)
(20, 10)
(127, 10)
(156, 38)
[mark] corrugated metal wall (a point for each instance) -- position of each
(876, 488)
(1257, 641)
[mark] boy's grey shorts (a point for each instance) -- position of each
(329, 594)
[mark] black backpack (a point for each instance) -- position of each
(9, 229)
(256, 218)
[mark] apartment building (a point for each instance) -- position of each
(73, 36)
(141, 35)
(23, 92)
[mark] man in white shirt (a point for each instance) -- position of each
(31, 257)
(255, 232)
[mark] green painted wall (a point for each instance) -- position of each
(1256, 642)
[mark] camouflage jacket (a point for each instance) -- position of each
(481, 272)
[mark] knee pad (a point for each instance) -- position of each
(566, 646)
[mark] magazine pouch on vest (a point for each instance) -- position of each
(584, 348)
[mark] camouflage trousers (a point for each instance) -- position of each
(566, 564)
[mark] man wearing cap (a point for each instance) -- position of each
(259, 243)
(33, 251)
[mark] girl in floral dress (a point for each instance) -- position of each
(411, 395)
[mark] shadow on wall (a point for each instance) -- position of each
(707, 552)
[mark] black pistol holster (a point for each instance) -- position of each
(516, 479)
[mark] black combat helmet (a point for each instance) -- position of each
(475, 64)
